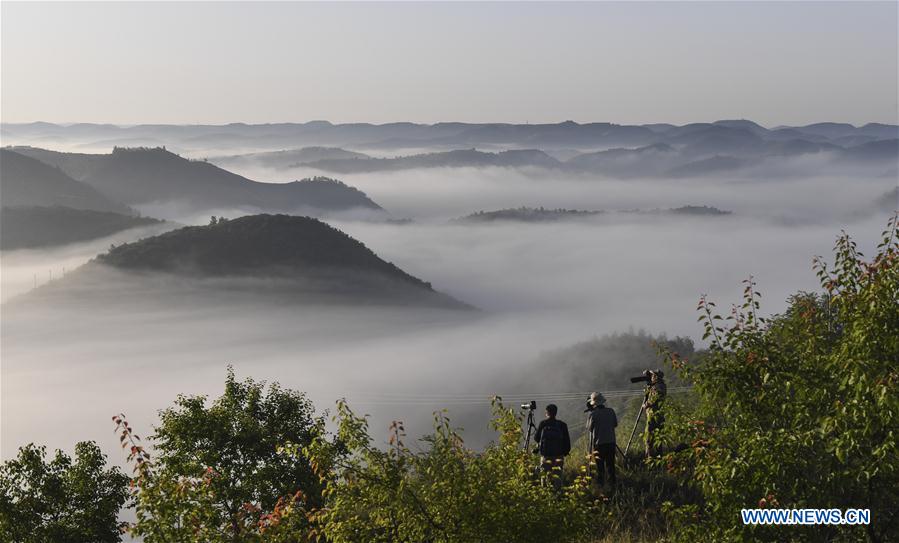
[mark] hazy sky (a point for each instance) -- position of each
(776, 63)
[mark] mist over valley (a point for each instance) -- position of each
(446, 273)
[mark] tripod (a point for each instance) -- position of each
(636, 423)
(531, 428)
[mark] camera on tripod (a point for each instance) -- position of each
(647, 376)
(530, 406)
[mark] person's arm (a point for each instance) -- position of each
(539, 431)
(614, 418)
(566, 439)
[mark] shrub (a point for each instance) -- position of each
(444, 492)
(800, 409)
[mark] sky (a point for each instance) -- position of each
(185, 63)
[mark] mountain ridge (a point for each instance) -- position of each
(140, 176)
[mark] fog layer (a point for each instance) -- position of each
(67, 367)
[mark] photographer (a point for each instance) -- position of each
(554, 444)
(601, 424)
(653, 401)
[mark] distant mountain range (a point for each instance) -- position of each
(541, 214)
(654, 150)
(32, 226)
(144, 176)
(448, 135)
(448, 159)
(676, 152)
(691, 157)
(286, 258)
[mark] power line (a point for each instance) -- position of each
(387, 398)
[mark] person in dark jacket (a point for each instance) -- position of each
(601, 424)
(553, 444)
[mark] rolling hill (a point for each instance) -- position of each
(526, 214)
(280, 258)
(143, 176)
(34, 226)
(288, 158)
(25, 181)
(542, 215)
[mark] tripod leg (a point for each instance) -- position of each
(527, 441)
(636, 422)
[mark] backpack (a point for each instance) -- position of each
(551, 440)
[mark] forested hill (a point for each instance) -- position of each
(36, 226)
(301, 252)
(25, 181)
(252, 244)
(139, 176)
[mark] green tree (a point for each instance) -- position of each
(61, 500)
(800, 409)
(218, 472)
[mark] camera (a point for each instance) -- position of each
(531, 406)
(647, 376)
(589, 407)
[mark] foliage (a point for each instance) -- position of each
(61, 500)
(219, 475)
(443, 493)
(800, 409)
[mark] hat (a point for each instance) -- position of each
(597, 398)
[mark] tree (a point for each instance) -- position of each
(61, 500)
(218, 469)
(800, 409)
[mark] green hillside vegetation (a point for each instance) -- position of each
(25, 181)
(30, 227)
(792, 410)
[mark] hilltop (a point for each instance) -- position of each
(288, 257)
(139, 176)
(25, 181)
(526, 214)
(541, 214)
